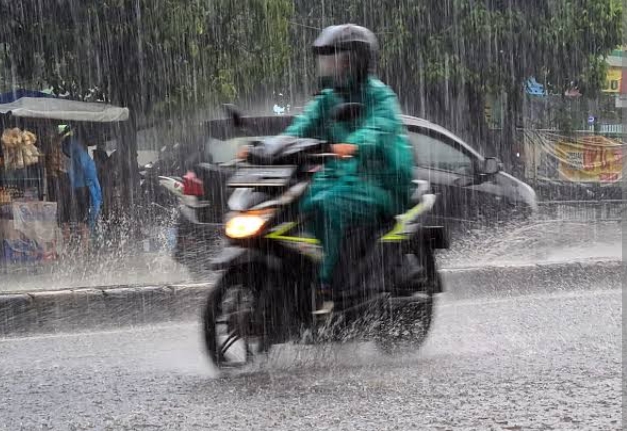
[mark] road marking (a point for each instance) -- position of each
(171, 325)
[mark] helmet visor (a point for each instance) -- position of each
(333, 65)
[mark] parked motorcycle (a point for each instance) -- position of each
(169, 164)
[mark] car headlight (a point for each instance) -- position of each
(245, 226)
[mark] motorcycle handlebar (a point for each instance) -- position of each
(284, 148)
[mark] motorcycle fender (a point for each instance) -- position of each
(231, 257)
(172, 185)
(437, 236)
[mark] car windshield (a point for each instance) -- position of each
(222, 151)
(222, 140)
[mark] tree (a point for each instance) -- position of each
(443, 56)
(157, 57)
(446, 56)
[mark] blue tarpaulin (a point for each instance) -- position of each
(535, 88)
(12, 96)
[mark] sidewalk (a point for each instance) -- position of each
(121, 269)
(540, 242)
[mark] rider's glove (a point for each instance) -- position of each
(344, 150)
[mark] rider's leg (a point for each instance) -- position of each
(333, 211)
(324, 227)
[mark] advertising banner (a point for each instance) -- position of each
(613, 80)
(580, 159)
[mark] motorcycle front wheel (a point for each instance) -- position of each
(233, 325)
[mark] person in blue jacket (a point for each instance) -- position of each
(86, 198)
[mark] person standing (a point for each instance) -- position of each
(101, 159)
(59, 184)
(86, 194)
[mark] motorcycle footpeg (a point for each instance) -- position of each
(410, 298)
(408, 281)
(326, 309)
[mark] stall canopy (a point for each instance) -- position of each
(53, 108)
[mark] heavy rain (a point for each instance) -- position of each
(298, 214)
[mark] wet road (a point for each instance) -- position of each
(541, 361)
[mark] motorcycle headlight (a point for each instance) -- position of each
(245, 225)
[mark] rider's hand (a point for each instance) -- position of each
(344, 150)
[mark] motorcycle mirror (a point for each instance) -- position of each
(347, 111)
(234, 113)
(491, 166)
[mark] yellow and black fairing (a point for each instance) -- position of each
(283, 227)
(369, 253)
(259, 247)
(279, 241)
(291, 234)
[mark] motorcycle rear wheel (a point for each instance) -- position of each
(405, 323)
(404, 329)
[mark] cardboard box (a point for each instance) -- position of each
(28, 231)
(20, 250)
(8, 231)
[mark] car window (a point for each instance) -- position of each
(219, 151)
(223, 141)
(434, 153)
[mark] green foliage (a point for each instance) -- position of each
(163, 55)
(496, 45)
(174, 55)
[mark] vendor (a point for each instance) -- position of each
(101, 159)
(86, 196)
(60, 190)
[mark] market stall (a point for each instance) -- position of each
(30, 151)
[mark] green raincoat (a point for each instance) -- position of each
(374, 184)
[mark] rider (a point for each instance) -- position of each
(370, 179)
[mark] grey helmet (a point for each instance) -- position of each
(360, 43)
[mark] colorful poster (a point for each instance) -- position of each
(590, 159)
(583, 159)
(613, 80)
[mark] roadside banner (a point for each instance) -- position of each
(581, 159)
(613, 81)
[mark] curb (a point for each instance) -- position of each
(464, 283)
(119, 306)
(98, 308)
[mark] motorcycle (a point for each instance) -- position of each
(153, 175)
(265, 295)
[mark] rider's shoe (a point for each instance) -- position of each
(324, 300)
